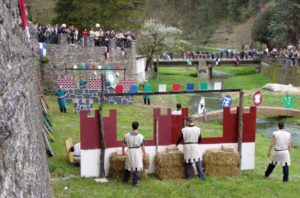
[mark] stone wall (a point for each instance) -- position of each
(23, 161)
(62, 56)
(81, 96)
(282, 74)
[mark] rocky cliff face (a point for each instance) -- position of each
(23, 163)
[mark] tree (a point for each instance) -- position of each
(278, 25)
(284, 24)
(260, 31)
(113, 14)
(155, 38)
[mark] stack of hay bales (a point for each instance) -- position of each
(117, 166)
(169, 165)
(217, 162)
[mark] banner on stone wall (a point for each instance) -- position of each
(43, 50)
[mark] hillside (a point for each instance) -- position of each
(232, 36)
(220, 23)
(41, 11)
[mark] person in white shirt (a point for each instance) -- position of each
(281, 140)
(191, 137)
(136, 150)
(178, 110)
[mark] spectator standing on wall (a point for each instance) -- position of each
(92, 33)
(75, 35)
(85, 34)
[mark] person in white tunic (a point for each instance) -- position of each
(134, 158)
(178, 110)
(281, 140)
(192, 137)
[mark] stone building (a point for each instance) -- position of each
(63, 55)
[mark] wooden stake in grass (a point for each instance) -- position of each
(240, 123)
(101, 127)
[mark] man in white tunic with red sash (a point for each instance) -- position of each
(281, 140)
(192, 137)
(134, 158)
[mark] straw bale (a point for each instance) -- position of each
(219, 170)
(117, 165)
(172, 148)
(169, 165)
(227, 147)
(217, 162)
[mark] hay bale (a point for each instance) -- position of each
(217, 162)
(117, 165)
(169, 165)
(227, 147)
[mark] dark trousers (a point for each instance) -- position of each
(63, 109)
(145, 101)
(135, 179)
(189, 170)
(285, 170)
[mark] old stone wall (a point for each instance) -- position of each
(282, 74)
(62, 56)
(81, 95)
(23, 161)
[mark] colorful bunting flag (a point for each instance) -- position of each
(133, 89)
(203, 86)
(176, 87)
(217, 86)
(119, 89)
(190, 87)
(162, 88)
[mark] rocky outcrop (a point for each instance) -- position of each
(23, 162)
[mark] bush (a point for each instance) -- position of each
(44, 59)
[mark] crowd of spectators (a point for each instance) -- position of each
(282, 55)
(222, 54)
(49, 34)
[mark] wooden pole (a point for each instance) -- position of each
(157, 66)
(240, 124)
(156, 134)
(101, 127)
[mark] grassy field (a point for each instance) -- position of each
(248, 184)
(237, 70)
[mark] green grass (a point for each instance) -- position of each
(246, 82)
(209, 49)
(248, 184)
(236, 70)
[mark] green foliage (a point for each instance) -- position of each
(260, 31)
(284, 24)
(117, 14)
(155, 38)
(44, 59)
(199, 18)
(278, 24)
